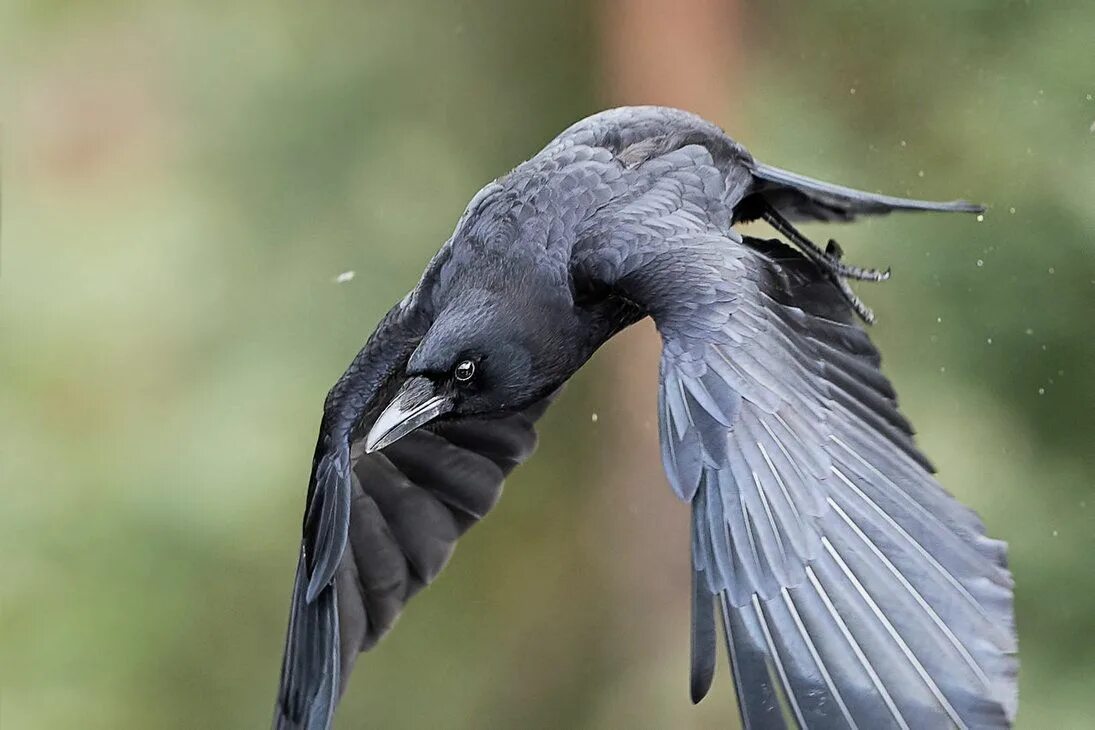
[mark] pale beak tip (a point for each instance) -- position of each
(413, 406)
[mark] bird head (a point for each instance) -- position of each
(486, 354)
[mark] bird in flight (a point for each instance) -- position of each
(852, 589)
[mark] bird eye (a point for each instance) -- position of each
(464, 371)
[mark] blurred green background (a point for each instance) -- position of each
(183, 183)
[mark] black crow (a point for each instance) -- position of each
(853, 590)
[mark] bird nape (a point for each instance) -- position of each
(853, 591)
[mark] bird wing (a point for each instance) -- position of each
(411, 502)
(854, 591)
(380, 526)
(308, 688)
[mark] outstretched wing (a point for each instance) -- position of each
(854, 591)
(309, 684)
(408, 504)
(411, 502)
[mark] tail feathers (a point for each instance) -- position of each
(799, 197)
(309, 684)
(703, 626)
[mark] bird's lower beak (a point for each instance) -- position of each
(416, 404)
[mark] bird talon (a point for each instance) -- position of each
(861, 274)
(828, 261)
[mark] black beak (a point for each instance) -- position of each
(416, 404)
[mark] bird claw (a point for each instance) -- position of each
(862, 310)
(829, 261)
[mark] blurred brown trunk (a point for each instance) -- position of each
(679, 53)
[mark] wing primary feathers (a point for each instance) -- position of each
(856, 649)
(812, 648)
(310, 682)
(757, 701)
(310, 667)
(913, 542)
(773, 652)
(924, 605)
(893, 633)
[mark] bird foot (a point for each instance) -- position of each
(833, 252)
(829, 261)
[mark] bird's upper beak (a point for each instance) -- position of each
(418, 402)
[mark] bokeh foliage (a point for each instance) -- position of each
(183, 182)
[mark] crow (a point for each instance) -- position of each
(853, 590)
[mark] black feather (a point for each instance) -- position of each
(853, 590)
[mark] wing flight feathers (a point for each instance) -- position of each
(855, 592)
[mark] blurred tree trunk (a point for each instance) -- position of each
(681, 53)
